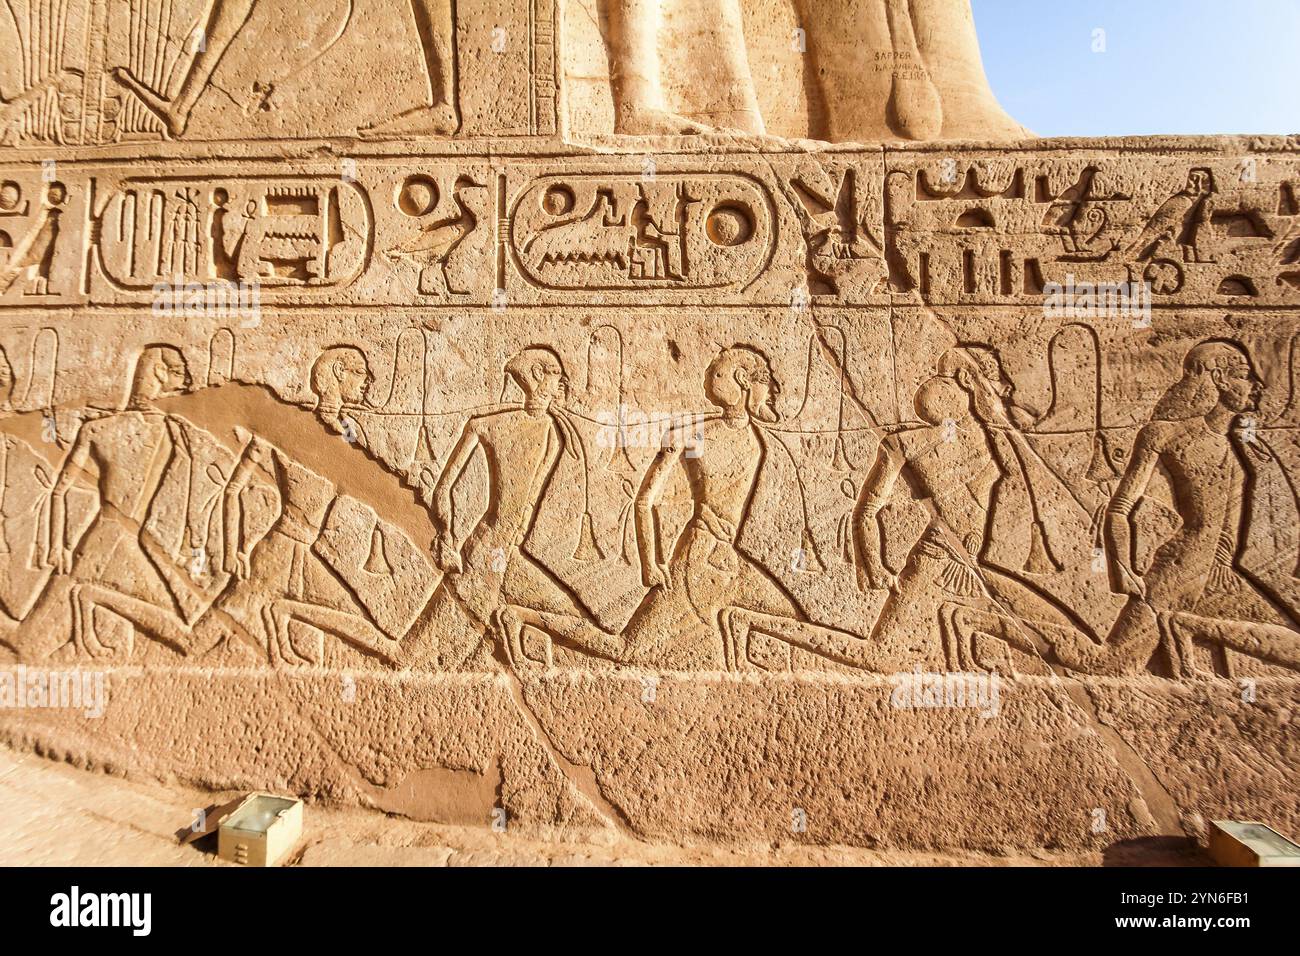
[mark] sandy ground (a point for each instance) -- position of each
(53, 814)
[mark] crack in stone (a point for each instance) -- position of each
(581, 777)
(1164, 810)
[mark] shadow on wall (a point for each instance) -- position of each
(1155, 851)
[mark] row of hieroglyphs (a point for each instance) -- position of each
(869, 491)
(785, 231)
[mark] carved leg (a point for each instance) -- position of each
(351, 628)
(436, 28)
(965, 626)
(914, 104)
(949, 48)
(433, 281)
(569, 629)
(632, 38)
(510, 623)
(226, 19)
(1127, 649)
(1179, 648)
(153, 622)
(839, 646)
(1271, 643)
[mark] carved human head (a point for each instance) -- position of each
(1200, 181)
(1215, 372)
(539, 373)
(940, 399)
(341, 377)
(160, 371)
(742, 376)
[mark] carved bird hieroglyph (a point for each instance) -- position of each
(433, 245)
(34, 254)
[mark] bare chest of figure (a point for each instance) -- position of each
(125, 446)
(945, 462)
(520, 451)
(1204, 473)
(307, 496)
(723, 473)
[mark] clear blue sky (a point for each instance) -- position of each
(1169, 66)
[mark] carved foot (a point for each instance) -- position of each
(1104, 660)
(735, 639)
(993, 654)
(523, 655)
(160, 106)
(440, 120)
(647, 122)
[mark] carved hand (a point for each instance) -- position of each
(656, 575)
(447, 554)
(1129, 583)
(874, 576)
(718, 526)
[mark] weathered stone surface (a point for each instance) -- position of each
(492, 412)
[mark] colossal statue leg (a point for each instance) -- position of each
(633, 39)
(950, 49)
(874, 83)
(907, 69)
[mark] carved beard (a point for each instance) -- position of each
(1248, 404)
(763, 411)
(989, 406)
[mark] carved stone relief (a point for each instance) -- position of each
(328, 360)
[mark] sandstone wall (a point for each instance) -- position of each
(366, 436)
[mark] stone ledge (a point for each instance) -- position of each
(712, 757)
